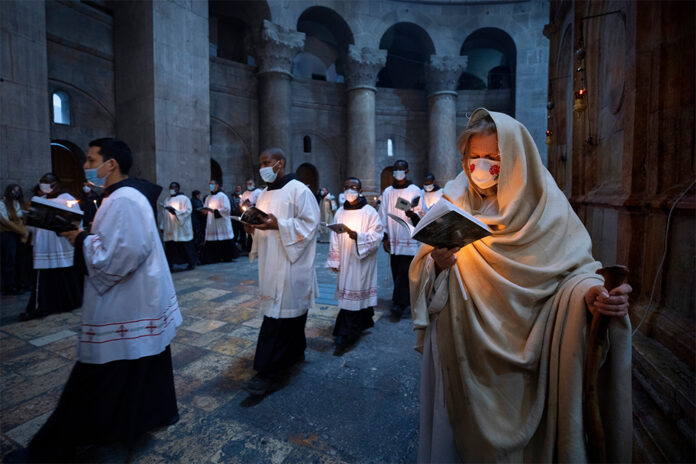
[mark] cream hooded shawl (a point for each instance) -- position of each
(512, 351)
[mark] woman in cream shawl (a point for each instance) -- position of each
(503, 354)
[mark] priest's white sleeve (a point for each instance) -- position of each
(110, 258)
(184, 213)
(333, 261)
(298, 231)
(369, 240)
(226, 207)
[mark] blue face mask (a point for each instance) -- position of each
(93, 179)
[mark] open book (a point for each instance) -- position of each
(404, 205)
(447, 226)
(50, 215)
(402, 222)
(252, 215)
(338, 228)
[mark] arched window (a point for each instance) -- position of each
(61, 108)
(307, 144)
(390, 147)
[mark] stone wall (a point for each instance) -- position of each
(624, 162)
(81, 64)
(24, 110)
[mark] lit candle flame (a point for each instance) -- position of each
(244, 208)
(71, 203)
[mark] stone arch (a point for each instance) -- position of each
(216, 171)
(408, 49)
(327, 37)
(325, 156)
(231, 150)
(308, 174)
(66, 163)
(492, 59)
(386, 178)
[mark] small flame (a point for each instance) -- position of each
(71, 203)
(244, 208)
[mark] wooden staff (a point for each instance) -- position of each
(614, 276)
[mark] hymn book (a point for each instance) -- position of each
(338, 228)
(50, 215)
(252, 216)
(447, 226)
(404, 205)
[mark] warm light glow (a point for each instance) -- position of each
(71, 203)
(244, 208)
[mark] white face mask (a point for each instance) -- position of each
(212, 187)
(46, 188)
(484, 172)
(429, 188)
(250, 187)
(399, 175)
(351, 195)
(172, 192)
(268, 174)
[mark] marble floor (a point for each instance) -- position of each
(361, 407)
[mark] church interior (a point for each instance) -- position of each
(198, 88)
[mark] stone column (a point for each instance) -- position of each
(278, 48)
(162, 90)
(443, 156)
(25, 152)
(362, 67)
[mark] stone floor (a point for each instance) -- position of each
(361, 407)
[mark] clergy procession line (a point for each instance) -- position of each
(496, 340)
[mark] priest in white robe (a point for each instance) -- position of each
(431, 191)
(397, 238)
(219, 237)
(249, 198)
(502, 322)
(122, 384)
(353, 255)
(177, 229)
(285, 245)
(57, 285)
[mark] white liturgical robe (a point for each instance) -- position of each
(177, 227)
(218, 228)
(130, 308)
(356, 260)
(251, 195)
(399, 237)
(50, 250)
(287, 280)
(431, 198)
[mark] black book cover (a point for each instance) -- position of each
(49, 215)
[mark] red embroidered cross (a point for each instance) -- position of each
(151, 327)
(91, 335)
(121, 331)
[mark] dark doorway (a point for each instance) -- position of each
(307, 174)
(215, 171)
(66, 163)
(386, 178)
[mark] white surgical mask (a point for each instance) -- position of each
(212, 187)
(172, 192)
(351, 195)
(268, 174)
(399, 175)
(45, 188)
(250, 187)
(429, 188)
(86, 189)
(484, 172)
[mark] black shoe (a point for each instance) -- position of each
(172, 420)
(262, 385)
(25, 316)
(396, 312)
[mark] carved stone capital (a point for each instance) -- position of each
(278, 48)
(362, 67)
(443, 73)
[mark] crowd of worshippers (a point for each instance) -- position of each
(500, 323)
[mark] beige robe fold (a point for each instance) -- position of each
(512, 349)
